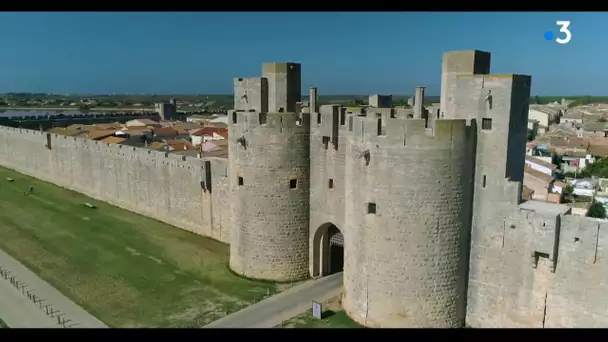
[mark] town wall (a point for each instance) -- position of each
(545, 270)
(405, 259)
(167, 187)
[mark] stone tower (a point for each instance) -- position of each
(405, 237)
(454, 63)
(269, 177)
(284, 86)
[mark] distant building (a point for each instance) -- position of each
(197, 118)
(380, 101)
(165, 110)
(208, 133)
(141, 123)
(545, 115)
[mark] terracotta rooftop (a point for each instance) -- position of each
(571, 142)
(180, 145)
(530, 172)
(97, 135)
(165, 131)
(209, 131)
(145, 121)
(598, 150)
(113, 140)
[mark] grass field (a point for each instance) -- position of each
(125, 269)
(333, 317)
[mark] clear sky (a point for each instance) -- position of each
(341, 53)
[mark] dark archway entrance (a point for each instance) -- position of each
(328, 251)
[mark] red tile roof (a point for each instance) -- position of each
(210, 130)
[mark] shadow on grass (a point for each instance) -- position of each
(327, 314)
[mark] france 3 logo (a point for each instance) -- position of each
(564, 36)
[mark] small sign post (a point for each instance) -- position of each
(317, 310)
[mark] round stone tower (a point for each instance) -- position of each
(407, 215)
(269, 186)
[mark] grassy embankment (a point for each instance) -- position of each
(125, 269)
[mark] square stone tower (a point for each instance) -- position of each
(454, 63)
(251, 94)
(284, 86)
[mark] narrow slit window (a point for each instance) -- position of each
(318, 118)
(262, 118)
(486, 124)
(483, 184)
(325, 141)
(379, 127)
(331, 183)
(293, 183)
(371, 208)
(342, 118)
(241, 181)
(233, 118)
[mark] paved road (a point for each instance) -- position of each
(17, 311)
(274, 310)
(24, 313)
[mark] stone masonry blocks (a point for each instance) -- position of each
(454, 63)
(269, 186)
(251, 94)
(152, 183)
(404, 265)
(284, 86)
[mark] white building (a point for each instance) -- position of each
(545, 115)
(540, 165)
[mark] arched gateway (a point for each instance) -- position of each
(328, 250)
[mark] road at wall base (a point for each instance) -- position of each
(17, 311)
(279, 308)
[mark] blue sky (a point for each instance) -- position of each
(340, 52)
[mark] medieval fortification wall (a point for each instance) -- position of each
(170, 188)
(433, 229)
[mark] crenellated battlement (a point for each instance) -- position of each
(55, 142)
(275, 121)
(412, 133)
(328, 113)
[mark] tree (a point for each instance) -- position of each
(566, 193)
(596, 210)
(530, 135)
(598, 169)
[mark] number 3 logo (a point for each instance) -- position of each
(564, 29)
